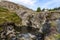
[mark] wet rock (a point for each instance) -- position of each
(46, 28)
(39, 36)
(58, 25)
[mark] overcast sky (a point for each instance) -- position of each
(33, 4)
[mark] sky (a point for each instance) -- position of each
(33, 4)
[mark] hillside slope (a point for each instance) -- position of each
(7, 16)
(34, 25)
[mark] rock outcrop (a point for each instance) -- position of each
(35, 25)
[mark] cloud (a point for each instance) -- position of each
(26, 2)
(29, 2)
(51, 3)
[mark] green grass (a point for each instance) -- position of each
(58, 36)
(7, 16)
(3, 9)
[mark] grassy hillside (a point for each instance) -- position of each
(7, 16)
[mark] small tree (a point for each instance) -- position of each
(43, 9)
(38, 9)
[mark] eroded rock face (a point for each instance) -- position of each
(58, 25)
(26, 33)
(25, 13)
(39, 25)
